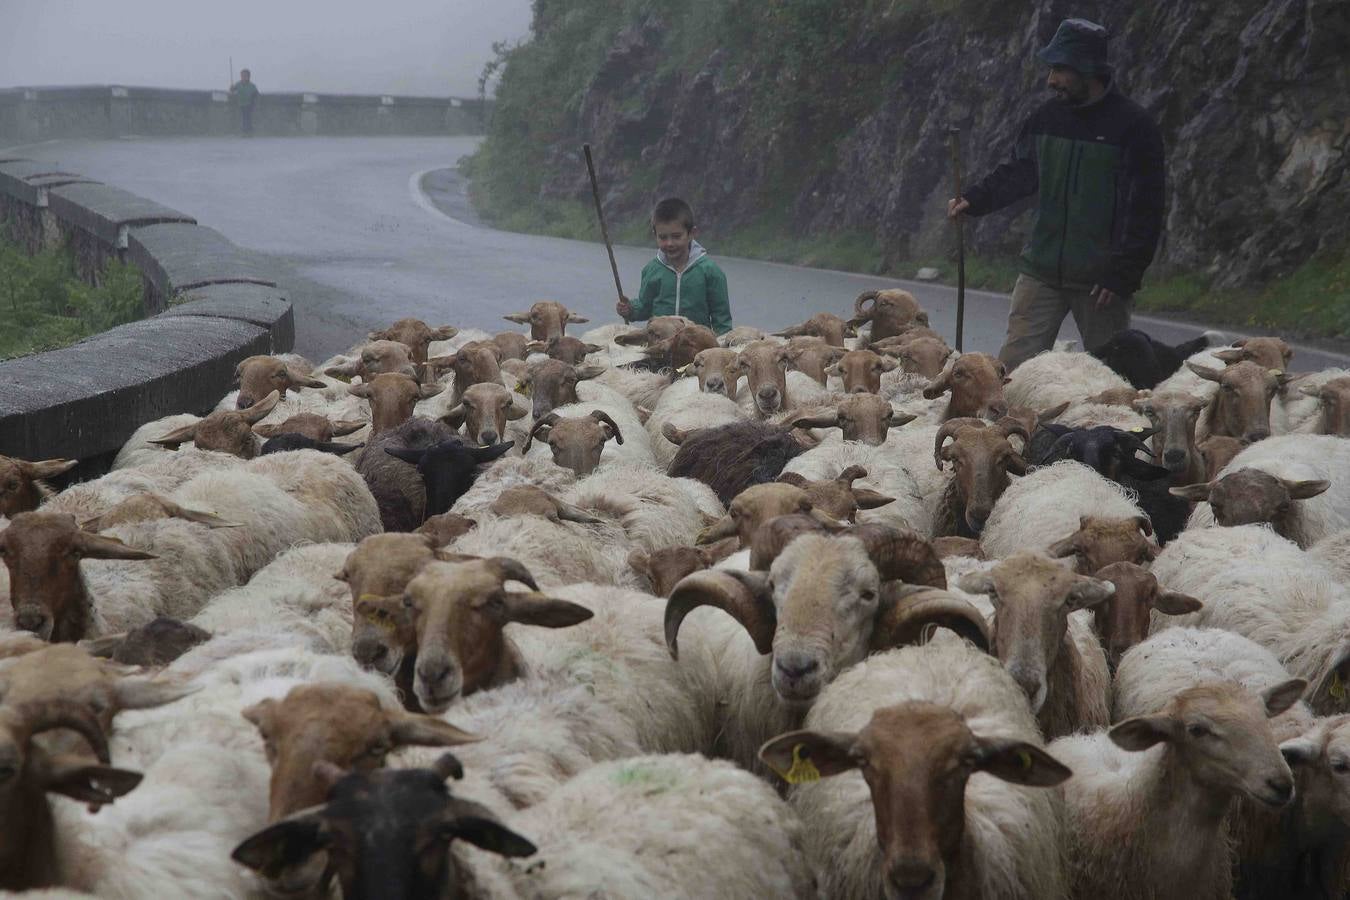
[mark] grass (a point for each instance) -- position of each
(44, 305)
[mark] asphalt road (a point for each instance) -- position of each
(362, 231)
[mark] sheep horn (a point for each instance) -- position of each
(67, 714)
(901, 555)
(1009, 427)
(906, 612)
(850, 475)
(569, 513)
(546, 422)
(724, 527)
(509, 569)
(771, 538)
(745, 596)
(676, 436)
(949, 429)
(600, 415)
(858, 312)
(825, 420)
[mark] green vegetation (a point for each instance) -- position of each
(43, 305)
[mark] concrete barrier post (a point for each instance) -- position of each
(309, 114)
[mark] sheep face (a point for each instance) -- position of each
(1099, 542)
(1173, 416)
(658, 329)
(385, 834)
(811, 356)
(1032, 599)
(1217, 452)
(1320, 761)
(531, 500)
(975, 382)
(337, 724)
(259, 376)
(764, 365)
(1220, 734)
(446, 527)
(547, 319)
(1241, 406)
(861, 371)
(148, 507)
(890, 311)
(838, 498)
(416, 335)
(392, 398)
(310, 425)
(826, 326)
(1334, 399)
(553, 383)
(1108, 451)
(1251, 496)
(477, 362)
(1266, 352)
(458, 611)
(981, 459)
(381, 567)
(511, 344)
(19, 489)
(484, 410)
(753, 507)
(665, 567)
(716, 371)
(923, 355)
(448, 469)
(916, 758)
(42, 552)
(860, 417)
(225, 431)
(1123, 621)
(156, 643)
(577, 443)
(377, 358)
(564, 349)
(679, 350)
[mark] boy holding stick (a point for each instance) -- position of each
(682, 280)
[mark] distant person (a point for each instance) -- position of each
(682, 280)
(245, 93)
(1095, 161)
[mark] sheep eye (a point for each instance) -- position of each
(1340, 767)
(1197, 730)
(868, 595)
(407, 601)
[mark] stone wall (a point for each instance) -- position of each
(211, 305)
(29, 114)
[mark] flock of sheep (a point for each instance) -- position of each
(836, 612)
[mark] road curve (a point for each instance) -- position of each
(357, 240)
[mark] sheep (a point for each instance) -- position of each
(1125, 806)
(1216, 452)
(754, 506)
(227, 432)
(861, 371)
(923, 720)
(826, 326)
(570, 350)
(1241, 406)
(820, 609)
(416, 335)
(1173, 417)
(1052, 655)
(1052, 377)
(547, 319)
(477, 362)
(975, 381)
(919, 355)
(663, 569)
(764, 365)
(1144, 361)
(445, 527)
(890, 311)
(1300, 483)
(716, 372)
(148, 506)
(484, 410)
(1047, 503)
(156, 644)
(1266, 352)
(1313, 403)
(551, 384)
(678, 350)
(859, 417)
(1123, 621)
(811, 356)
(578, 443)
(162, 473)
(654, 510)
(621, 828)
(22, 484)
(837, 497)
(730, 458)
(982, 458)
(392, 398)
(685, 406)
(881, 478)
(512, 345)
(373, 358)
(1263, 587)
(1101, 541)
(396, 484)
(740, 336)
(448, 470)
(259, 376)
(510, 471)
(311, 425)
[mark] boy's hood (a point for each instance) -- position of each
(696, 253)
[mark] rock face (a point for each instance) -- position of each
(1253, 98)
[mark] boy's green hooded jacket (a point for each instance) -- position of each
(698, 293)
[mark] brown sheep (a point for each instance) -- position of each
(922, 355)
(392, 399)
(1334, 402)
(416, 335)
(1266, 352)
(311, 425)
(861, 371)
(716, 371)
(576, 442)
(1124, 620)
(225, 431)
(21, 482)
(547, 319)
(568, 349)
(838, 498)
(511, 344)
(1216, 452)
(259, 376)
(665, 567)
(811, 355)
(890, 311)
(764, 365)
(1099, 542)
(1174, 416)
(553, 383)
(861, 417)
(826, 326)
(975, 382)
(982, 457)
(377, 358)
(1241, 406)
(477, 362)
(484, 410)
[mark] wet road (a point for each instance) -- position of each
(362, 231)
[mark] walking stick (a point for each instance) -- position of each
(960, 242)
(600, 214)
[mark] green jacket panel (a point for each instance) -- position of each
(698, 293)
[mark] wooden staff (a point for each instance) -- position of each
(960, 242)
(600, 214)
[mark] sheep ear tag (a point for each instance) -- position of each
(523, 388)
(1136, 430)
(1024, 758)
(803, 771)
(683, 369)
(345, 379)
(1337, 689)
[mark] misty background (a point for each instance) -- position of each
(427, 47)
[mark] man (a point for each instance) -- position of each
(245, 93)
(1095, 161)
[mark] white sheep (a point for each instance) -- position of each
(512, 471)
(557, 553)
(1045, 505)
(926, 719)
(1296, 408)
(826, 461)
(688, 409)
(1054, 377)
(655, 510)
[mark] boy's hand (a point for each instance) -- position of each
(624, 308)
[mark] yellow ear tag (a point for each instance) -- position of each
(1025, 759)
(1337, 690)
(803, 771)
(523, 389)
(1136, 429)
(345, 379)
(683, 369)
(1276, 372)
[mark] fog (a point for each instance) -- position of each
(432, 47)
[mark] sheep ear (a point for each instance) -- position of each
(285, 845)
(75, 777)
(1194, 492)
(574, 319)
(428, 731)
(1066, 547)
(97, 546)
(1302, 490)
(520, 318)
(455, 417)
(1229, 356)
(715, 553)
(47, 468)
(360, 390)
(427, 391)
(834, 370)
(1143, 732)
(147, 693)
(1089, 592)
(537, 609)
(870, 499)
(1299, 751)
(177, 436)
(1018, 762)
(977, 583)
(1205, 372)
(514, 412)
(487, 454)
(585, 373)
(1172, 603)
(1280, 697)
(468, 821)
(803, 756)
(1053, 412)
(407, 454)
(639, 562)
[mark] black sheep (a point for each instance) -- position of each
(1142, 360)
(448, 469)
(732, 457)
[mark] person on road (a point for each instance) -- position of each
(245, 93)
(682, 280)
(1095, 160)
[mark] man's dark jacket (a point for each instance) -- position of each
(1099, 168)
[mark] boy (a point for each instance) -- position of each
(245, 93)
(682, 280)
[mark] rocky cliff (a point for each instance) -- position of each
(823, 117)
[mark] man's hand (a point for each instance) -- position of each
(956, 206)
(1105, 297)
(624, 308)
